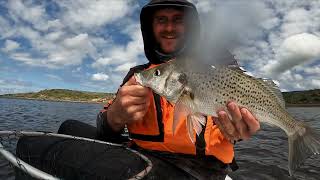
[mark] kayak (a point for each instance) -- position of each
(69, 158)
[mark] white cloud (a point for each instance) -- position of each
(259, 34)
(54, 77)
(73, 34)
(55, 49)
(79, 41)
(27, 11)
(204, 5)
(8, 86)
(28, 33)
(315, 83)
(55, 24)
(6, 29)
(120, 58)
(61, 40)
(85, 14)
(10, 45)
(262, 37)
(124, 56)
(54, 36)
(100, 77)
(23, 57)
(271, 22)
(101, 62)
(296, 21)
(78, 69)
(295, 50)
(314, 70)
(125, 67)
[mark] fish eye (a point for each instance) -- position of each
(157, 72)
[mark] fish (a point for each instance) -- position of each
(199, 90)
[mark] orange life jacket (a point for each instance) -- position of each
(154, 132)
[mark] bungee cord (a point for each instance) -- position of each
(37, 173)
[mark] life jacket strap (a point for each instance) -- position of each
(233, 165)
(201, 143)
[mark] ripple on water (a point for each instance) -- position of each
(263, 157)
(258, 171)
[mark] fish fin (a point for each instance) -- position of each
(235, 66)
(181, 109)
(271, 86)
(198, 121)
(268, 84)
(190, 129)
(214, 114)
(302, 144)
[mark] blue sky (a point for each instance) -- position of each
(90, 45)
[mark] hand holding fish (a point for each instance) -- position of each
(242, 124)
(131, 104)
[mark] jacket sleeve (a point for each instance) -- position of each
(104, 130)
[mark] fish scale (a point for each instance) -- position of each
(203, 91)
(226, 89)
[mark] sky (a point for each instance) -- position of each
(90, 45)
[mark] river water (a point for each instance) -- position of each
(263, 157)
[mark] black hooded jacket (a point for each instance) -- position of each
(150, 47)
(192, 34)
(192, 29)
(105, 132)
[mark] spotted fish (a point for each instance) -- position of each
(197, 92)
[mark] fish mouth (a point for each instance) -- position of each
(138, 78)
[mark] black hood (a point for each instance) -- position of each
(192, 28)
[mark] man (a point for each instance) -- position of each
(169, 28)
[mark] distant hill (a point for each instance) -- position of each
(295, 98)
(64, 95)
(309, 97)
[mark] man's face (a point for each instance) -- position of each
(168, 29)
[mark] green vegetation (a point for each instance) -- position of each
(310, 97)
(64, 95)
(295, 98)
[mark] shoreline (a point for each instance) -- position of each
(55, 100)
(103, 102)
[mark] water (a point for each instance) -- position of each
(263, 157)
(32, 115)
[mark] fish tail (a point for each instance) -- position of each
(303, 143)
